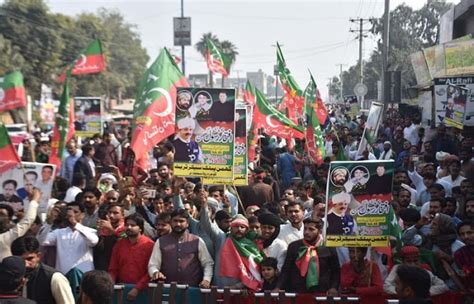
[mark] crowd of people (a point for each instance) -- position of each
(109, 222)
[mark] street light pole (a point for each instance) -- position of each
(182, 46)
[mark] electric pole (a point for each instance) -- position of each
(385, 39)
(361, 37)
(342, 81)
(183, 66)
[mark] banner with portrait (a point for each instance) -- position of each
(445, 107)
(205, 132)
(18, 181)
(87, 116)
(456, 107)
(240, 153)
(358, 197)
(369, 135)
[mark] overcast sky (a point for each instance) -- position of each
(314, 34)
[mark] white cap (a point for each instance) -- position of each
(342, 197)
(186, 122)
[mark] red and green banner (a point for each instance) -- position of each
(314, 137)
(9, 157)
(12, 92)
(217, 61)
(155, 106)
(91, 60)
(64, 125)
(293, 100)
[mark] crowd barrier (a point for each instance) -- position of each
(183, 294)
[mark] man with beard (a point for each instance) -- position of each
(110, 228)
(310, 267)
(294, 230)
(181, 256)
(91, 203)
(186, 149)
(130, 257)
(45, 285)
(105, 151)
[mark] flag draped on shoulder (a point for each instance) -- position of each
(242, 262)
(217, 61)
(9, 157)
(64, 125)
(293, 100)
(90, 60)
(12, 92)
(155, 106)
(314, 137)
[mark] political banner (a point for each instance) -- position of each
(352, 104)
(455, 108)
(358, 205)
(371, 127)
(205, 129)
(23, 178)
(87, 116)
(442, 106)
(240, 153)
(420, 67)
(459, 57)
(435, 60)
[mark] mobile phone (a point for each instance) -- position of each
(148, 193)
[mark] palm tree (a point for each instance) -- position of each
(201, 47)
(230, 50)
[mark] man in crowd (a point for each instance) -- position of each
(180, 256)
(12, 280)
(73, 243)
(86, 164)
(9, 233)
(130, 257)
(45, 284)
(106, 152)
(310, 267)
(97, 287)
(293, 231)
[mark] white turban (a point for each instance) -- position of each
(342, 197)
(186, 122)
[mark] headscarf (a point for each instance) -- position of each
(447, 231)
(270, 219)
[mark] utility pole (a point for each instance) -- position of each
(342, 81)
(385, 39)
(361, 37)
(182, 46)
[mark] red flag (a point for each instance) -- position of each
(12, 92)
(9, 157)
(91, 60)
(320, 109)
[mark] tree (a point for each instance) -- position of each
(410, 31)
(41, 44)
(201, 47)
(230, 50)
(227, 47)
